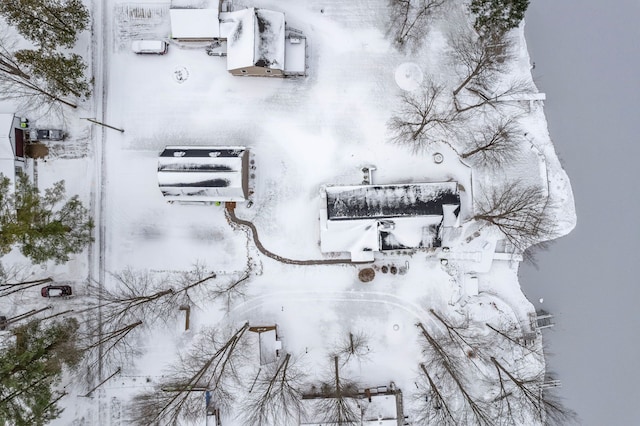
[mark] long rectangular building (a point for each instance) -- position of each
(203, 173)
(363, 219)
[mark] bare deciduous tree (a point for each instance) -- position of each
(410, 20)
(494, 143)
(433, 407)
(509, 95)
(529, 393)
(211, 365)
(152, 297)
(17, 82)
(17, 274)
(111, 345)
(507, 385)
(355, 345)
(7, 288)
(197, 286)
(338, 402)
(135, 295)
(516, 339)
(470, 343)
(556, 412)
(275, 396)
(139, 299)
(519, 211)
(448, 365)
(28, 315)
(424, 117)
(480, 58)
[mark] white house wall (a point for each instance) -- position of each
(7, 147)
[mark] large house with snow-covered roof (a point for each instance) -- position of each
(255, 41)
(12, 155)
(364, 219)
(203, 174)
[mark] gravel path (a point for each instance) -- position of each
(233, 219)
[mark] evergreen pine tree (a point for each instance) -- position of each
(42, 228)
(30, 367)
(47, 23)
(63, 74)
(495, 17)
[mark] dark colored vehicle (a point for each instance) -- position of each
(56, 291)
(46, 134)
(3, 323)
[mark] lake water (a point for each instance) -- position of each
(586, 54)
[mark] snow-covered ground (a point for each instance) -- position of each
(302, 133)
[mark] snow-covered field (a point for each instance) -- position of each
(302, 133)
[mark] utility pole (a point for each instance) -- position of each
(94, 121)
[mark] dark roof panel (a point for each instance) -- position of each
(183, 152)
(379, 201)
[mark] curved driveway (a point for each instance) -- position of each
(232, 218)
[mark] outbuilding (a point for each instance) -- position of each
(203, 174)
(269, 345)
(12, 155)
(194, 25)
(374, 406)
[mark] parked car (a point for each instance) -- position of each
(46, 134)
(3, 323)
(56, 291)
(152, 47)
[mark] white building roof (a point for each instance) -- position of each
(256, 39)
(7, 150)
(382, 410)
(295, 58)
(202, 174)
(194, 23)
(6, 128)
(363, 237)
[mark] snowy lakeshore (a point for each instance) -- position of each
(344, 253)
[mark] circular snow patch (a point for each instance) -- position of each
(409, 76)
(181, 74)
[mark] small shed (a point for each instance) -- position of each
(379, 406)
(269, 345)
(256, 42)
(194, 25)
(295, 54)
(203, 174)
(12, 156)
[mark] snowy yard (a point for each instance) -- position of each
(302, 134)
